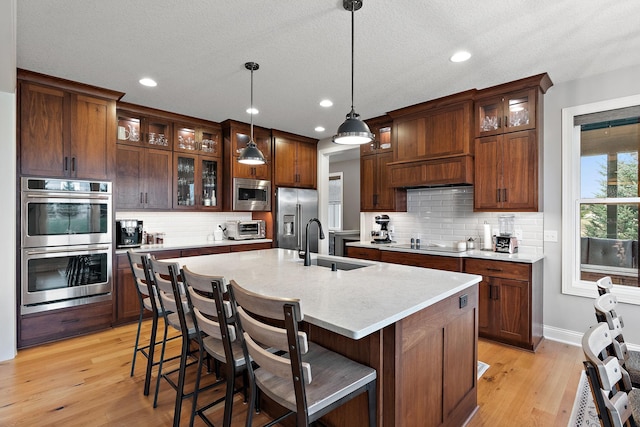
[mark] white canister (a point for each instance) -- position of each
(217, 235)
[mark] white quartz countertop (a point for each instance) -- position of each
(352, 303)
(194, 244)
(475, 253)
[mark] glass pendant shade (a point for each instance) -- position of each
(251, 154)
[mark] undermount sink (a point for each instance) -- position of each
(339, 265)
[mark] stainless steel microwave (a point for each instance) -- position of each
(251, 194)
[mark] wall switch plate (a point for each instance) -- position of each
(463, 300)
(550, 236)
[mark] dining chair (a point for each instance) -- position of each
(617, 402)
(216, 331)
(605, 306)
(604, 285)
(305, 378)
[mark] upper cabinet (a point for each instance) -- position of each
(140, 127)
(196, 182)
(376, 194)
(198, 138)
(143, 178)
(508, 147)
(295, 160)
(236, 137)
(66, 129)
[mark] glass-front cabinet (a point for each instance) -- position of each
(506, 113)
(198, 139)
(196, 182)
(141, 130)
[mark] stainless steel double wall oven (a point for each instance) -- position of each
(66, 243)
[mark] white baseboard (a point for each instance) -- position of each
(572, 337)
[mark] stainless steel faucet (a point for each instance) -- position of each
(307, 252)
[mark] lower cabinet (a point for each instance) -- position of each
(422, 260)
(363, 253)
(510, 303)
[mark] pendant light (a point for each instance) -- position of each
(353, 131)
(251, 155)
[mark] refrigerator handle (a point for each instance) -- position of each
(298, 224)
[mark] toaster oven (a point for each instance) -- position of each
(245, 230)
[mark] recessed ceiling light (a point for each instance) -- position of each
(326, 103)
(460, 56)
(148, 82)
(319, 129)
(253, 110)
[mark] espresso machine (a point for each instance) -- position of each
(128, 233)
(382, 235)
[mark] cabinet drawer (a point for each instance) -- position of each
(423, 260)
(363, 253)
(503, 269)
(209, 250)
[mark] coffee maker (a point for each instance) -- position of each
(381, 236)
(128, 233)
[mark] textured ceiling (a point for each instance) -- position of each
(196, 50)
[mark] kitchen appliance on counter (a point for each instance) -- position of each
(128, 233)
(245, 230)
(381, 236)
(66, 243)
(506, 242)
(251, 194)
(294, 208)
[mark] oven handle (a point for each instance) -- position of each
(67, 196)
(62, 250)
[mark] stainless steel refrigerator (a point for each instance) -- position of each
(294, 208)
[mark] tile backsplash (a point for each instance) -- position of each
(445, 215)
(183, 228)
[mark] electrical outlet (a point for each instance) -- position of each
(550, 236)
(463, 300)
(518, 234)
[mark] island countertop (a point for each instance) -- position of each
(353, 303)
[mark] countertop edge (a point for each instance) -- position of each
(205, 244)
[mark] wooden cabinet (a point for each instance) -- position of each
(434, 129)
(143, 178)
(507, 172)
(422, 260)
(140, 127)
(508, 146)
(236, 136)
(363, 253)
(510, 302)
(65, 129)
(376, 194)
(198, 137)
(196, 182)
(295, 160)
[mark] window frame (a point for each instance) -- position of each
(571, 199)
(336, 176)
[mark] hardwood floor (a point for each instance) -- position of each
(85, 382)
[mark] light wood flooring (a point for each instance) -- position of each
(85, 381)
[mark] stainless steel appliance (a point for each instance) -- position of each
(294, 208)
(244, 230)
(66, 243)
(129, 233)
(381, 236)
(251, 194)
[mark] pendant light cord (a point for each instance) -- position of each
(353, 10)
(251, 115)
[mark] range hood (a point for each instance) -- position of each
(441, 172)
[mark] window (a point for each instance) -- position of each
(335, 201)
(600, 197)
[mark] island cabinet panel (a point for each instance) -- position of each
(363, 253)
(426, 364)
(65, 129)
(422, 260)
(510, 301)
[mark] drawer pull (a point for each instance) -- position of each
(493, 269)
(70, 321)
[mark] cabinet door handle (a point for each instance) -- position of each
(504, 194)
(496, 293)
(66, 163)
(375, 200)
(141, 198)
(506, 122)
(146, 198)
(499, 122)
(498, 194)
(73, 164)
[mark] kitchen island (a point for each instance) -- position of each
(417, 327)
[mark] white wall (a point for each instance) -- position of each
(8, 177)
(564, 313)
(350, 192)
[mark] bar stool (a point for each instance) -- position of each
(287, 378)
(216, 332)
